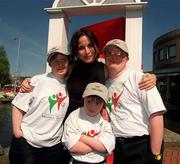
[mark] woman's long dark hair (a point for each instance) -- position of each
(74, 43)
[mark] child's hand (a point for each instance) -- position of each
(25, 86)
(18, 133)
(105, 114)
(148, 81)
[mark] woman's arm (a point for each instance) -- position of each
(148, 81)
(17, 116)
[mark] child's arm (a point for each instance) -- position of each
(71, 136)
(148, 81)
(17, 116)
(156, 132)
(80, 148)
(94, 143)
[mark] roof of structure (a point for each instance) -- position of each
(93, 7)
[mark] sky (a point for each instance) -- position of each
(26, 22)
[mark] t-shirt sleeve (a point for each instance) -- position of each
(150, 99)
(22, 101)
(71, 134)
(35, 79)
(107, 137)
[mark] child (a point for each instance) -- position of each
(87, 135)
(37, 116)
(136, 115)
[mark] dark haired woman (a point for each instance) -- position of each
(87, 69)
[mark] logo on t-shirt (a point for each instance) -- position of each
(56, 99)
(113, 101)
(91, 133)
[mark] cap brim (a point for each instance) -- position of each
(95, 94)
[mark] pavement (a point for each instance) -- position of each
(4, 156)
(171, 153)
(171, 148)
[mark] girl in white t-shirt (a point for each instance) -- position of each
(87, 135)
(38, 116)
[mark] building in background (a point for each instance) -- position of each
(166, 65)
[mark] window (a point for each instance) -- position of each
(161, 54)
(172, 51)
(155, 57)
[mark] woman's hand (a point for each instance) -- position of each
(25, 86)
(148, 81)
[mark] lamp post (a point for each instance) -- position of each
(17, 62)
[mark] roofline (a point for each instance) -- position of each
(102, 9)
(166, 35)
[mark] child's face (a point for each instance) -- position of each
(93, 105)
(115, 58)
(60, 66)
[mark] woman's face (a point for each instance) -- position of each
(86, 50)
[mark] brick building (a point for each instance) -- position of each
(166, 64)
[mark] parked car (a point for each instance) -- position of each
(8, 88)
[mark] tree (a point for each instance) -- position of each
(4, 67)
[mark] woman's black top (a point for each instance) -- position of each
(81, 75)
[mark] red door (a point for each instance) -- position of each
(107, 30)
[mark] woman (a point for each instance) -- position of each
(87, 69)
(84, 51)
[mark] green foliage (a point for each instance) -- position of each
(4, 67)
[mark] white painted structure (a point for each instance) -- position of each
(63, 9)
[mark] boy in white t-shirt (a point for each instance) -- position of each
(87, 135)
(37, 116)
(136, 115)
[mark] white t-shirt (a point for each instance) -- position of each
(129, 107)
(45, 108)
(77, 123)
